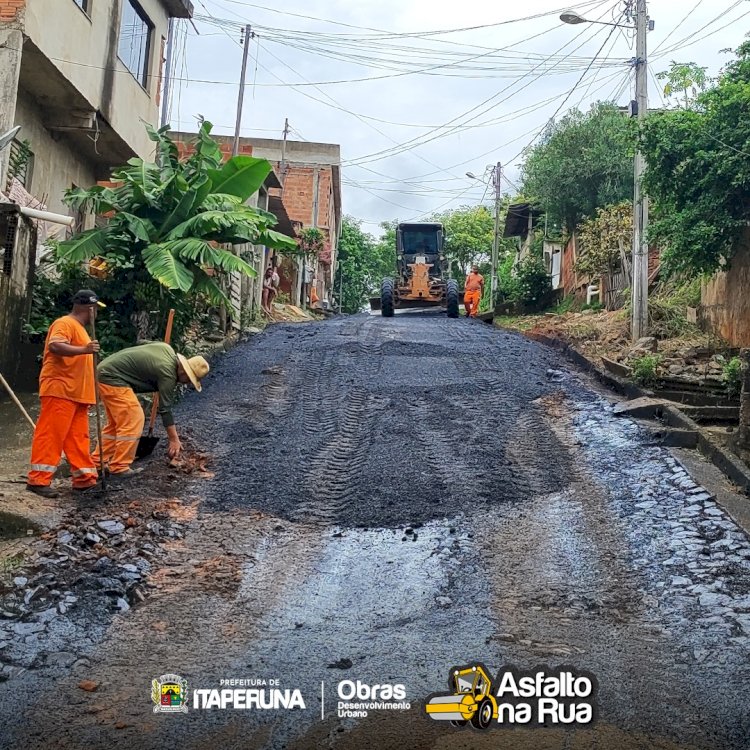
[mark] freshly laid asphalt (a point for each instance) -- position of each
(385, 499)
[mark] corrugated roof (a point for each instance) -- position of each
(517, 219)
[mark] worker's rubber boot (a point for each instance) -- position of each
(91, 488)
(43, 490)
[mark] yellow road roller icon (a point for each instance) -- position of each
(472, 700)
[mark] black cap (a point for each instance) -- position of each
(87, 297)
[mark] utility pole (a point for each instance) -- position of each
(496, 174)
(248, 34)
(167, 74)
(283, 149)
(639, 321)
(341, 286)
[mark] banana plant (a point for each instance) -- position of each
(168, 219)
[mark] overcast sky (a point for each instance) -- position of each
(482, 96)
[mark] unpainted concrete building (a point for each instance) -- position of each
(80, 77)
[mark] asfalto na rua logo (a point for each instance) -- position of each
(169, 694)
(540, 697)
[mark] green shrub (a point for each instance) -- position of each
(667, 308)
(644, 368)
(534, 284)
(732, 376)
(564, 305)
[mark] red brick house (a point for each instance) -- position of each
(309, 195)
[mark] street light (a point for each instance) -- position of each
(639, 319)
(496, 173)
(572, 18)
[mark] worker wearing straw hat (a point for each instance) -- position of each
(149, 368)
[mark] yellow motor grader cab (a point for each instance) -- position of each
(472, 700)
(422, 267)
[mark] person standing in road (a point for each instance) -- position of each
(266, 293)
(473, 289)
(148, 368)
(66, 390)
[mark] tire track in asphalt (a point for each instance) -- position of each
(337, 471)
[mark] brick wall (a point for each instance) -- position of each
(186, 149)
(11, 9)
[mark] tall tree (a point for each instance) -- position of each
(469, 233)
(683, 80)
(364, 262)
(583, 161)
(698, 173)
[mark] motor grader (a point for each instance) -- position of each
(422, 273)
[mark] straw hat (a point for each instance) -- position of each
(196, 368)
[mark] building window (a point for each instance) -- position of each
(84, 5)
(20, 163)
(134, 47)
(8, 229)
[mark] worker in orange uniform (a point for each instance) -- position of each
(66, 390)
(473, 289)
(149, 368)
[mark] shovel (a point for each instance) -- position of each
(102, 473)
(148, 442)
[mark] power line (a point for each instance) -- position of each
(410, 33)
(696, 36)
(564, 101)
(674, 28)
(412, 143)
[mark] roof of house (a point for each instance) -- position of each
(517, 219)
(179, 8)
(278, 209)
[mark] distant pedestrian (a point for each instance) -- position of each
(274, 288)
(66, 390)
(267, 289)
(473, 289)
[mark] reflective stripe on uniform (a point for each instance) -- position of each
(43, 467)
(79, 472)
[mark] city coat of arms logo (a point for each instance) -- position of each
(169, 694)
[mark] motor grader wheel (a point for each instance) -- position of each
(451, 298)
(387, 303)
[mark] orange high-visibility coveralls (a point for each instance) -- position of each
(66, 390)
(125, 420)
(473, 293)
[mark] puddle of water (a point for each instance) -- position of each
(16, 434)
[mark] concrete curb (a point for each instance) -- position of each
(724, 460)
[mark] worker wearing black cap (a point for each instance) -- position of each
(66, 390)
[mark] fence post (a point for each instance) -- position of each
(744, 431)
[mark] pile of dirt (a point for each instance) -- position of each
(693, 356)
